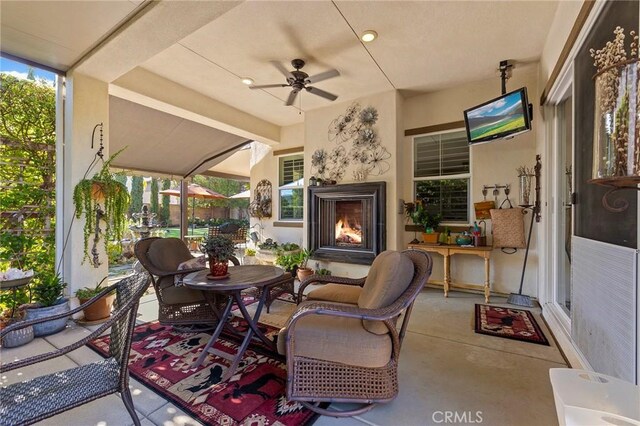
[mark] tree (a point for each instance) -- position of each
(154, 196)
(137, 189)
(165, 214)
(27, 154)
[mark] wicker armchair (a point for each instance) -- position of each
(348, 352)
(176, 305)
(45, 396)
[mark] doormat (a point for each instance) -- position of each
(517, 324)
(161, 359)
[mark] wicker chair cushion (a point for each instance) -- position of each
(167, 253)
(196, 262)
(179, 295)
(337, 339)
(389, 276)
(340, 293)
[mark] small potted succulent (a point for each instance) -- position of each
(219, 249)
(47, 292)
(101, 309)
(304, 271)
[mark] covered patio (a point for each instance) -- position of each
(366, 130)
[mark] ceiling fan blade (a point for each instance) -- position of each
(322, 93)
(291, 98)
(267, 86)
(282, 69)
(322, 76)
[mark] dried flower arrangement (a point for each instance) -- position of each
(616, 108)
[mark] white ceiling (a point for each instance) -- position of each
(58, 33)
(422, 45)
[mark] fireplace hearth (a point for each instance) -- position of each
(347, 222)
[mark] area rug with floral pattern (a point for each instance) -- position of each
(161, 358)
(517, 324)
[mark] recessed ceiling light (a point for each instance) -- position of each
(248, 81)
(368, 36)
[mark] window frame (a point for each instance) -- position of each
(281, 159)
(468, 175)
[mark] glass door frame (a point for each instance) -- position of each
(557, 179)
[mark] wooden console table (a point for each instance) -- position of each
(448, 250)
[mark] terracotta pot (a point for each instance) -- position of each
(304, 273)
(431, 238)
(101, 309)
(218, 269)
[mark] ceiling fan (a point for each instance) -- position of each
(299, 80)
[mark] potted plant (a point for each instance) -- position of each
(47, 292)
(304, 271)
(249, 256)
(269, 251)
(12, 306)
(289, 262)
(323, 271)
(420, 215)
(100, 309)
(219, 249)
(101, 199)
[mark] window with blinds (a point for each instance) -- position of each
(291, 179)
(441, 171)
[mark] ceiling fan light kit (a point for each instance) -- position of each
(299, 80)
(368, 36)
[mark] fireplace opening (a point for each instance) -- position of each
(349, 224)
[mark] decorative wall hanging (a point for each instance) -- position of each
(260, 207)
(616, 133)
(369, 157)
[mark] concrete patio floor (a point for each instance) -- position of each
(444, 367)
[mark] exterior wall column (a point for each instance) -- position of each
(86, 104)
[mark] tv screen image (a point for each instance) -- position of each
(498, 118)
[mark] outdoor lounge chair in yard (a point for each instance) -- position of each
(177, 306)
(344, 345)
(45, 396)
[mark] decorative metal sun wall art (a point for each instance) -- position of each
(261, 205)
(358, 143)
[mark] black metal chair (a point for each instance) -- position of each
(33, 400)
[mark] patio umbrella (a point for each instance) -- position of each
(243, 194)
(194, 191)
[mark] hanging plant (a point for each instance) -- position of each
(101, 198)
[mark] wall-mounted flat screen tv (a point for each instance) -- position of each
(505, 116)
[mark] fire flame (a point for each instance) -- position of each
(346, 234)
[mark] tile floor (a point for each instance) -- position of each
(444, 368)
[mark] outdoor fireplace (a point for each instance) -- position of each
(347, 222)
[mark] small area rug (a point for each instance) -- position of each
(517, 324)
(161, 359)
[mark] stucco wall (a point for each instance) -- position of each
(491, 163)
(495, 162)
(264, 165)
